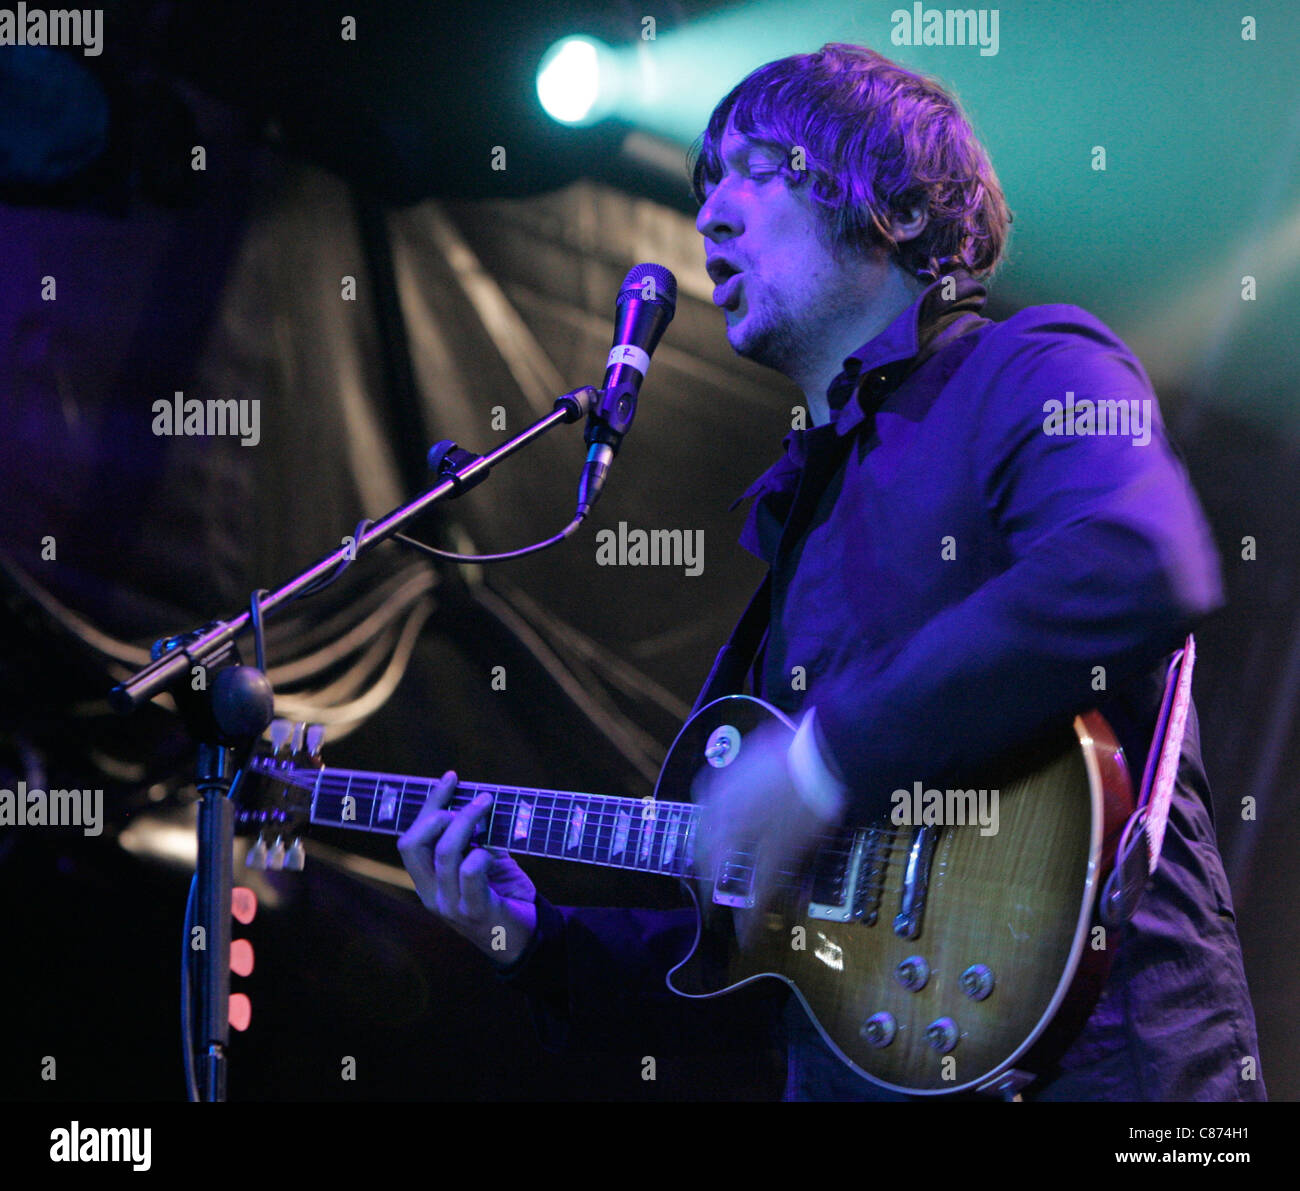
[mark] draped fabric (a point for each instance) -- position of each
(567, 668)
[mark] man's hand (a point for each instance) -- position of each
(482, 895)
(752, 807)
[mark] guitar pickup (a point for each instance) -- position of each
(734, 884)
(835, 876)
(916, 882)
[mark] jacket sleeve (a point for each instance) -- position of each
(1109, 564)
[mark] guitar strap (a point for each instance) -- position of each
(1134, 864)
(734, 659)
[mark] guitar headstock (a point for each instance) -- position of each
(273, 799)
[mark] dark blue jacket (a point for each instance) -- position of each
(957, 564)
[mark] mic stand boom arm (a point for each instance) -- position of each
(234, 710)
(169, 669)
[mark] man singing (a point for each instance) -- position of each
(952, 568)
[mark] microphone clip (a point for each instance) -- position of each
(612, 412)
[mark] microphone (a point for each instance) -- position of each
(645, 306)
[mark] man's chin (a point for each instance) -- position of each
(741, 334)
(755, 343)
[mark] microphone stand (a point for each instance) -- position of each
(233, 710)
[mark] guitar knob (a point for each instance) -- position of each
(256, 857)
(722, 746)
(913, 973)
(295, 857)
(977, 982)
(879, 1029)
(315, 738)
(275, 857)
(942, 1034)
(299, 731)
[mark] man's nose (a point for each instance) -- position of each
(717, 219)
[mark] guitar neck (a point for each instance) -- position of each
(627, 833)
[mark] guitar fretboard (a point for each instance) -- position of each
(613, 832)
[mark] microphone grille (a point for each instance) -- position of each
(650, 283)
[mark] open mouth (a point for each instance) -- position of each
(726, 293)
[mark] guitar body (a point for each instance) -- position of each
(1016, 905)
(936, 953)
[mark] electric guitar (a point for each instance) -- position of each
(934, 957)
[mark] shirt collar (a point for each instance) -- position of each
(875, 369)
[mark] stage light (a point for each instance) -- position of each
(569, 81)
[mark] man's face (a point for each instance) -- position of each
(780, 283)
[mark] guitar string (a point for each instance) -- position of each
(676, 867)
(601, 816)
(339, 785)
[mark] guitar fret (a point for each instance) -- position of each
(521, 824)
(660, 836)
(541, 823)
(646, 841)
(550, 824)
(422, 796)
(602, 844)
(502, 817)
(575, 820)
(684, 838)
(643, 835)
(670, 840)
(650, 832)
(528, 812)
(589, 843)
(386, 797)
(563, 808)
(621, 830)
(497, 814)
(666, 819)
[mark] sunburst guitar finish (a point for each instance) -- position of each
(935, 957)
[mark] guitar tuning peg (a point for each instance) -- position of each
(256, 857)
(275, 857)
(295, 857)
(298, 730)
(315, 738)
(281, 731)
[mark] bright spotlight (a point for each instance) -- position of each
(569, 82)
